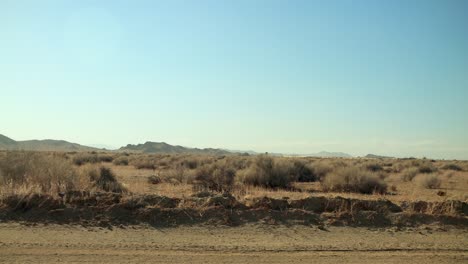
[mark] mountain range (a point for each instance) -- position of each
(7, 143)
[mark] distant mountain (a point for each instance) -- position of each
(164, 148)
(373, 156)
(7, 143)
(326, 154)
(148, 147)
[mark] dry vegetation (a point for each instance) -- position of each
(243, 176)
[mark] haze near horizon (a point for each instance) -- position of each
(359, 77)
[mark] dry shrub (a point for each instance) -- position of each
(374, 167)
(83, 158)
(105, 158)
(46, 173)
(104, 179)
(121, 161)
(153, 179)
(321, 169)
(190, 163)
(428, 181)
(177, 175)
(268, 172)
(217, 176)
(452, 166)
(354, 179)
(302, 172)
(144, 163)
(409, 174)
(427, 167)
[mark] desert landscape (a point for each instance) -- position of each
(234, 131)
(216, 206)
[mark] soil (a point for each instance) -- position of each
(216, 228)
(251, 243)
(110, 209)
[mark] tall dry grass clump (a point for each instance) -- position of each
(177, 175)
(39, 171)
(302, 171)
(83, 158)
(321, 169)
(409, 174)
(428, 181)
(218, 176)
(144, 163)
(121, 161)
(452, 166)
(354, 179)
(427, 167)
(104, 179)
(267, 172)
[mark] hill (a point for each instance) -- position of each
(326, 154)
(373, 156)
(164, 148)
(7, 143)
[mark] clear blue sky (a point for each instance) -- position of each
(385, 77)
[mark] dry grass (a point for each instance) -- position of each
(48, 172)
(409, 174)
(41, 172)
(428, 181)
(267, 172)
(218, 176)
(354, 179)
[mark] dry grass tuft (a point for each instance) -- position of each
(428, 181)
(121, 161)
(44, 173)
(216, 177)
(354, 179)
(268, 172)
(452, 166)
(409, 174)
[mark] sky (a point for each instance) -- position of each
(382, 77)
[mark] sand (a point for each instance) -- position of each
(256, 243)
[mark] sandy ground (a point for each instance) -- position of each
(247, 244)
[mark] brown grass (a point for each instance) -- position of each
(45, 173)
(428, 181)
(354, 179)
(267, 172)
(254, 176)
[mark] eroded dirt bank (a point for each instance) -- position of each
(258, 243)
(111, 209)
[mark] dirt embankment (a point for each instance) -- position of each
(108, 209)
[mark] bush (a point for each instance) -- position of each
(153, 179)
(145, 163)
(104, 179)
(105, 158)
(265, 171)
(121, 161)
(408, 174)
(217, 176)
(84, 158)
(428, 181)
(353, 179)
(452, 166)
(302, 172)
(427, 167)
(321, 169)
(44, 172)
(177, 175)
(374, 167)
(190, 163)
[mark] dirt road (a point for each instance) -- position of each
(247, 244)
